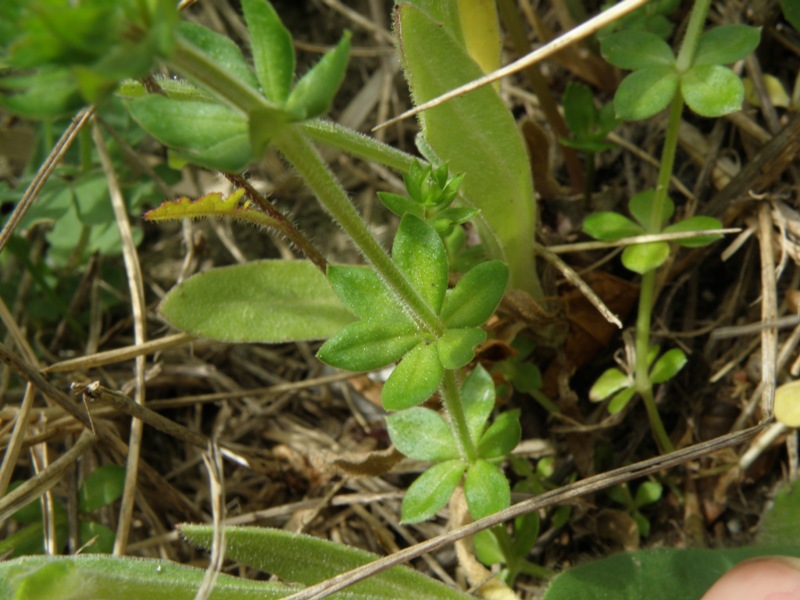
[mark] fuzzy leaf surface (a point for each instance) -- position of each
(476, 295)
(268, 301)
(313, 94)
(431, 491)
(645, 92)
(477, 396)
(414, 380)
(712, 90)
(486, 489)
(420, 254)
(273, 52)
(457, 346)
(502, 436)
(364, 293)
(422, 434)
(368, 345)
(221, 49)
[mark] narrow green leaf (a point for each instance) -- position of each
(431, 491)
(621, 400)
(610, 226)
(400, 205)
(221, 49)
(264, 301)
(642, 258)
(477, 397)
(486, 489)
(457, 346)
(642, 206)
(313, 94)
(363, 292)
(726, 44)
(273, 52)
(634, 50)
(414, 380)
(368, 345)
(476, 295)
(420, 254)
(610, 382)
(309, 560)
(422, 434)
(696, 224)
(476, 135)
(712, 90)
(645, 92)
(208, 134)
(668, 365)
(102, 487)
(502, 436)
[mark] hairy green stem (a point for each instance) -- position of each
(305, 158)
(458, 421)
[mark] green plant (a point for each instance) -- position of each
(102, 487)
(698, 78)
(648, 492)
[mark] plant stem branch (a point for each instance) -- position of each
(458, 421)
(304, 157)
(693, 30)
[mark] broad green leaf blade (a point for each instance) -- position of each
(781, 524)
(502, 436)
(726, 44)
(368, 345)
(102, 487)
(610, 382)
(365, 294)
(273, 52)
(621, 400)
(712, 90)
(419, 252)
(313, 94)
(209, 134)
(645, 92)
(654, 574)
(102, 577)
(610, 226)
(221, 49)
(642, 207)
(475, 135)
(269, 301)
(635, 50)
(414, 380)
(642, 258)
(457, 346)
(668, 365)
(431, 491)
(486, 489)
(476, 295)
(422, 434)
(309, 560)
(477, 397)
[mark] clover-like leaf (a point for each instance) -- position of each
(642, 205)
(621, 400)
(486, 489)
(699, 223)
(642, 258)
(645, 92)
(419, 252)
(726, 44)
(476, 295)
(368, 345)
(609, 226)
(502, 436)
(415, 379)
(422, 434)
(611, 381)
(635, 50)
(431, 491)
(271, 45)
(712, 90)
(313, 94)
(457, 346)
(477, 398)
(668, 365)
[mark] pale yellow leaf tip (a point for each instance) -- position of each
(787, 404)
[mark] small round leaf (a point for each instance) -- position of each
(636, 50)
(726, 44)
(642, 258)
(712, 90)
(610, 226)
(645, 92)
(696, 224)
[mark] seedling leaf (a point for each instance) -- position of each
(610, 226)
(486, 489)
(431, 491)
(415, 379)
(635, 50)
(641, 206)
(666, 367)
(269, 301)
(610, 382)
(696, 224)
(712, 90)
(422, 434)
(645, 92)
(726, 44)
(642, 258)
(621, 400)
